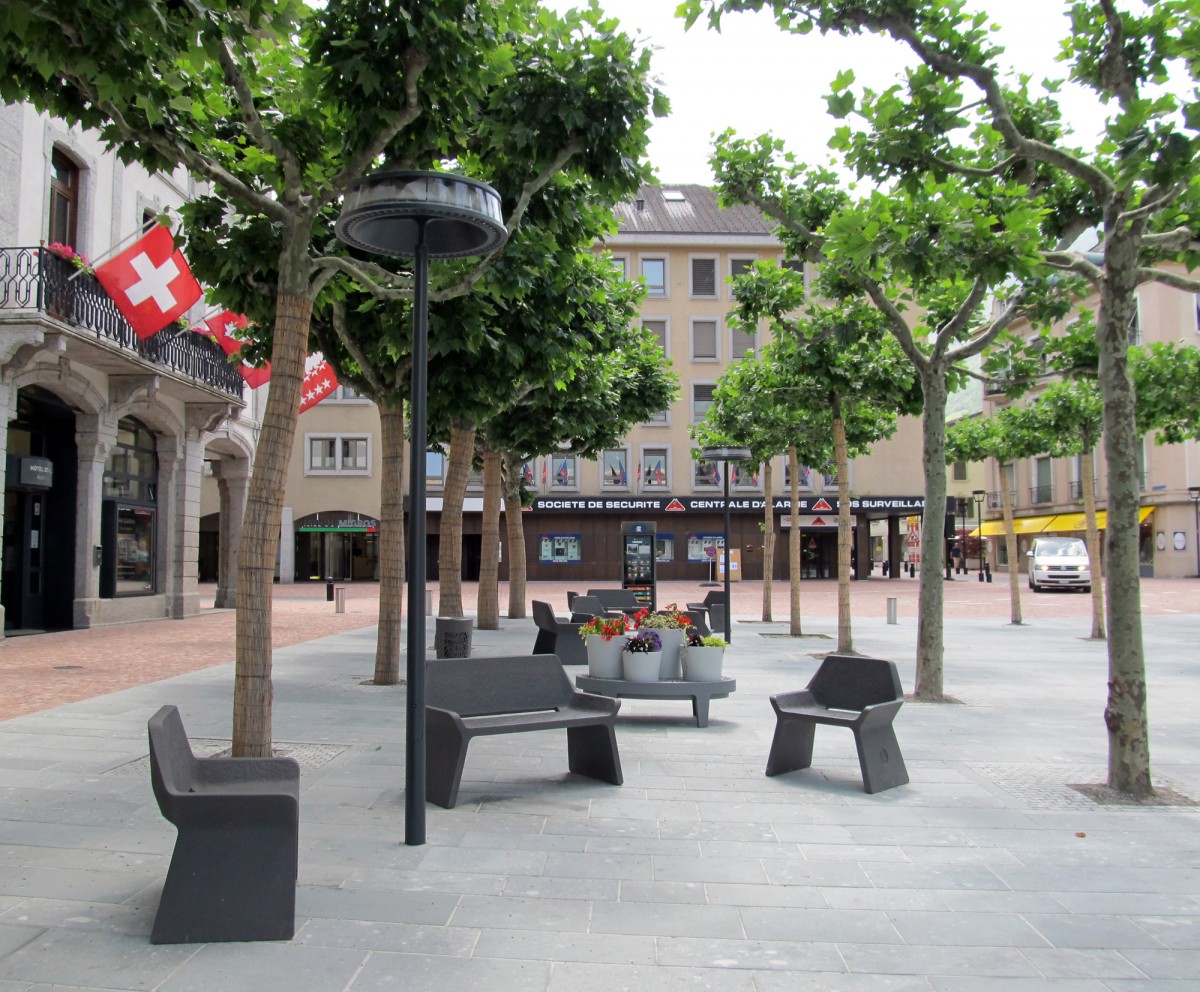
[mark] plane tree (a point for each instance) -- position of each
(280, 107)
(959, 115)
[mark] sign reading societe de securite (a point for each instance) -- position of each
(882, 505)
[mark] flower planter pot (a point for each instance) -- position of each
(604, 657)
(641, 666)
(672, 640)
(703, 664)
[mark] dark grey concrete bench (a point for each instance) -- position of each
(473, 697)
(862, 694)
(233, 871)
(621, 600)
(559, 637)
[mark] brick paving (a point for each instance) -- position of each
(46, 670)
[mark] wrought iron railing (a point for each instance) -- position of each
(37, 279)
(1041, 494)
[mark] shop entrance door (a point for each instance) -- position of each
(24, 553)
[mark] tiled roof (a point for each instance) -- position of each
(686, 209)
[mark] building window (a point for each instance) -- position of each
(659, 329)
(1042, 490)
(559, 548)
(1141, 464)
(741, 343)
(655, 468)
(562, 475)
(664, 547)
(807, 474)
(743, 477)
(707, 475)
(621, 264)
(435, 468)
(614, 469)
(702, 399)
(654, 272)
(64, 199)
(739, 267)
(960, 472)
(704, 341)
(1135, 322)
(704, 278)
(337, 454)
(1008, 483)
(129, 513)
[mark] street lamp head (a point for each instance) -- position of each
(384, 213)
(725, 453)
(1194, 493)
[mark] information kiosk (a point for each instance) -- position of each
(637, 561)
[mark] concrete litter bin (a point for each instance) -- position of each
(452, 637)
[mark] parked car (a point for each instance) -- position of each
(1059, 563)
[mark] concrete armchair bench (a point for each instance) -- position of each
(618, 600)
(233, 872)
(862, 694)
(560, 637)
(474, 697)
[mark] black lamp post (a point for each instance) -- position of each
(1194, 496)
(424, 215)
(727, 454)
(978, 495)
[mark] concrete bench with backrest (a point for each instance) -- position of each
(621, 600)
(473, 697)
(560, 637)
(713, 610)
(233, 872)
(585, 607)
(862, 694)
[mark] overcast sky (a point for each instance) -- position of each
(755, 78)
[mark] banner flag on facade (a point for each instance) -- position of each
(222, 328)
(150, 282)
(319, 381)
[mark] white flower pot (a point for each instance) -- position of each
(641, 666)
(672, 640)
(604, 657)
(703, 664)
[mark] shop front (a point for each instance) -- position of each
(337, 544)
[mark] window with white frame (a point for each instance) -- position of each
(702, 399)
(655, 468)
(738, 267)
(741, 342)
(614, 469)
(707, 475)
(744, 477)
(1042, 490)
(337, 454)
(704, 341)
(658, 327)
(563, 472)
(345, 394)
(654, 272)
(807, 474)
(621, 264)
(64, 200)
(704, 278)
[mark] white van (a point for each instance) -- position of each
(1059, 563)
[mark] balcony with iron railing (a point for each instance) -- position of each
(35, 279)
(1041, 494)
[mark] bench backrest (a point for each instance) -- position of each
(482, 686)
(586, 606)
(713, 598)
(846, 682)
(543, 617)
(615, 599)
(172, 763)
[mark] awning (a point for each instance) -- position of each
(1056, 522)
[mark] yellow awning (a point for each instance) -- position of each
(1056, 522)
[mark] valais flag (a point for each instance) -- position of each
(319, 381)
(222, 328)
(150, 283)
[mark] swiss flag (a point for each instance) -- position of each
(319, 381)
(222, 327)
(150, 283)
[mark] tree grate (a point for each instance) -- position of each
(1074, 787)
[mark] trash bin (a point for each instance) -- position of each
(329, 590)
(891, 609)
(452, 637)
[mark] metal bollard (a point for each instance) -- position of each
(329, 590)
(339, 599)
(891, 609)
(987, 567)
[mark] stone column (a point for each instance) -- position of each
(233, 484)
(180, 466)
(94, 437)
(8, 410)
(287, 546)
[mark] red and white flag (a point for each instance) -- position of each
(319, 381)
(223, 328)
(150, 282)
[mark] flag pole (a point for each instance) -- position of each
(99, 259)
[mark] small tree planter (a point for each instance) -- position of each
(604, 657)
(703, 664)
(641, 666)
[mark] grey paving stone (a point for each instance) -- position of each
(1070, 962)
(561, 887)
(375, 936)
(79, 884)
(652, 920)
(1168, 964)
(1019, 985)
(965, 929)
(837, 926)
(1116, 932)
(981, 962)
(574, 977)
(797, 955)
(375, 905)
(694, 893)
(741, 894)
(265, 967)
(827, 981)
(557, 947)
(384, 972)
(511, 913)
(91, 959)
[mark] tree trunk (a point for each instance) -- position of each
(458, 469)
(930, 640)
(514, 521)
(488, 612)
(768, 541)
(794, 569)
(252, 692)
(1088, 485)
(1125, 715)
(1007, 502)
(842, 462)
(391, 545)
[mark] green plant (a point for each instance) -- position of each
(604, 627)
(667, 619)
(713, 642)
